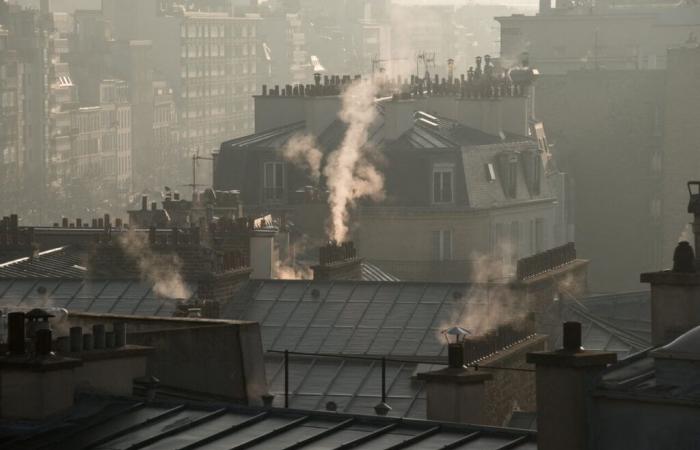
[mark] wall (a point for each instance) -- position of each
(656, 425)
(274, 111)
(412, 259)
(610, 145)
(473, 235)
(681, 158)
(511, 389)
(219, 357)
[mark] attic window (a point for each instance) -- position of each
(490, 172)
(508, 168)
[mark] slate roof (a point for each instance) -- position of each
(617, 323)
(94, 296)
(483, 193)
(350, 317)
(273, 138)
(354, 385)
(396, 319)
(105, 423)
(60, 262)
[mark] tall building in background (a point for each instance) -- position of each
(30, 45)
(12, 143)
(282, 55)
(209, 59)
(593, 35)
(681, 157)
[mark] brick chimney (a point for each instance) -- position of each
(456, 393)
(675, 308)
(564, 379)
(338, 262)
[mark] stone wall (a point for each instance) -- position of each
(510, 389)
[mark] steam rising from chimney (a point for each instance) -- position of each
(162, 270)
(302, 150)
(349, 172)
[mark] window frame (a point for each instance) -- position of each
(274, 192)
(441, 169)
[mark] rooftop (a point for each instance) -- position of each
(61, 262)
(109, 423)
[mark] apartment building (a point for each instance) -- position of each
(209, 59)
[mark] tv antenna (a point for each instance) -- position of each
(377, 63)
(195, 162)
(428, 61)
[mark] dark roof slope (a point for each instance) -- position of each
(273, 138)
(121, 424)
(94, 296)
(61, 262)
(350, 317)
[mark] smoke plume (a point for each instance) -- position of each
(161, 270)
(302, 150)
(349, 171)
(488, 303)
(286, 271)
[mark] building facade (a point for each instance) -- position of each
(465, 176)
(208, 58)
(601, 35)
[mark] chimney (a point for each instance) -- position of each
(674, 293)
(564, 379)
(262, 258)
(15, 333)
(338, 262)
(398, 117)
(456, 393)
(144, 203)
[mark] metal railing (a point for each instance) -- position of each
(475, 350)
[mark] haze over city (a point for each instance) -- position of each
(333, 224)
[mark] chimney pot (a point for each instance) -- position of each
(43, 342)
(63, 345)
(109, 339)
(76, 339)
(15, 329)
(154, 206)
(98, 333)
(119, 334)
(87, 342)
(455, 355)
(572, 336)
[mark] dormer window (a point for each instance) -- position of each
(273, 181)
(508, 168)
(443, 183)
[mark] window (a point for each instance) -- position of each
(442, 245)
(273, 181)
(442, 184)
(490, 172)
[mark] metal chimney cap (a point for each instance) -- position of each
(456, 331)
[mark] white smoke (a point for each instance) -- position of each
(286, 271)
(163, 270)
(489, 302)
(349, 171)
(302, 150)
